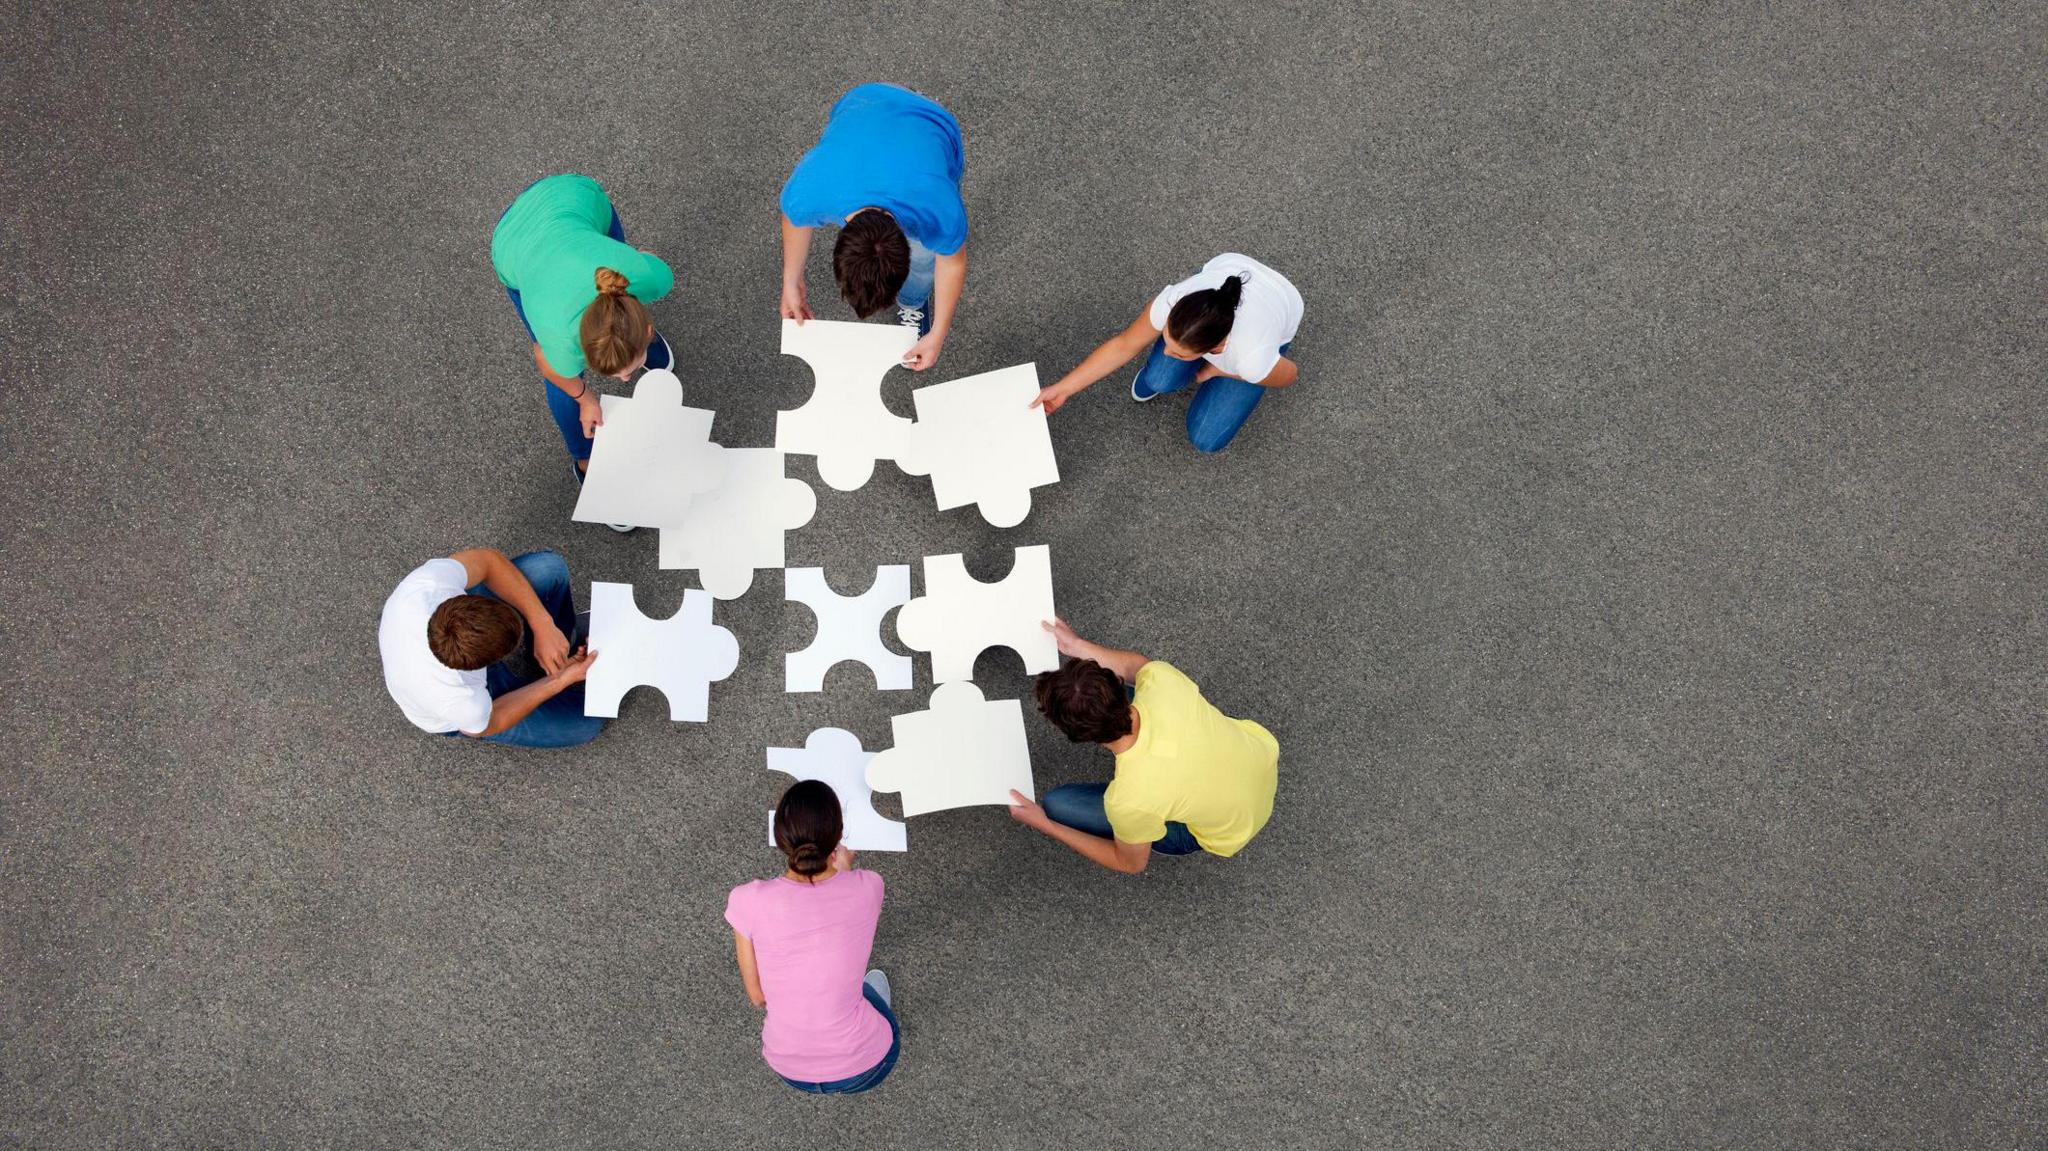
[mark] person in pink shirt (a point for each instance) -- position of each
(803, 939)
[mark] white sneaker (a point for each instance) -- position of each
(623, 529)
(912, 318)
(879, 982)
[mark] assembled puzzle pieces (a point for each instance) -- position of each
(849, 627)
(844, 423)
(958, 615)
(681, 655)
(982, 442)
(737, 526)
(649, 457)
(962, 752)
(834, 755)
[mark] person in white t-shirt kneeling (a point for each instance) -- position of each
(489, 647)
(1228, 328)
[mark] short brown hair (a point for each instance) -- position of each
(1085, 700)
(472, 631)
(871, 258)
(614, 329)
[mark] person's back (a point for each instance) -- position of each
(1191, 764)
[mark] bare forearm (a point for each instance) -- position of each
(508, 709)
(948, 278)
(796, 250)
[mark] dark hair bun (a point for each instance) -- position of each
(807, 859)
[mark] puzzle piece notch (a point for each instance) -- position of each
(681, 655)
(844, 423)
(738, 526)
(959, 616)
(963, 751)
(849, 628)
(649, 457)
(834, 755)
(982, 442)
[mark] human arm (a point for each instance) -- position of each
(1112, 354)
(1123, 663)
(796, 251)
(508, 709)
(587, 407)
(949, 275)
(750, 973)
(1115, 854)
(489, 567)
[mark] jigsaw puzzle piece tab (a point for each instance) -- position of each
(844, 423)
(681, 656)
(849, 628)
(964, 751)
(958, 616)
(737, 527)
(835, 756)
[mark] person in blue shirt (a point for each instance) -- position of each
(886, 172)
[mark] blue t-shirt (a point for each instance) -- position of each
(884, 147)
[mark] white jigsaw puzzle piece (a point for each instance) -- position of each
(737, 526)
(962, 752)
(844, 423)
(958, 616)
(834, 756)
(849, 627)
(682, 655)
(982, 442)
(649, 457)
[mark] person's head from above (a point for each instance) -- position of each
(1085, 700)
(1200, 321)
(616, 328)
(871, 259)
(807, 826)
(471, 631)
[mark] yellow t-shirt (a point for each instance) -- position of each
(1191, 764)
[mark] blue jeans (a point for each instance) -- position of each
(1221, 406)
(569, 416)
(558, 722)
(855, 1084)
(1079, 806)
(916, 291)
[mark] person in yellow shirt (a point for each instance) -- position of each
(1188, 777)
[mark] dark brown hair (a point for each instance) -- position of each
(472, 631)
(1201, 320)
(615, 326)
(1086, 700)
(807, 826)
(871, 259)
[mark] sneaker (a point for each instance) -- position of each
(916, 319)
(879, 982)
(667, 355)
(1136, 394)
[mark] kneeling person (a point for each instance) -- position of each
(480, 644)
(1188, 777)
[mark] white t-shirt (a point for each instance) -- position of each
(433, 695)
(1267, 314)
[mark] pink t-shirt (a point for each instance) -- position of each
(811, 945)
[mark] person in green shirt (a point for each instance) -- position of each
(582, 293)
(1188, 777)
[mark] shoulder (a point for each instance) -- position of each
(426, 586)
(1157, 673)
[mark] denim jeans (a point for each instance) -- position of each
(916, 291)
(855, 1084)
(568, 414)
(558, 722)
(1079, 806)
(1221, 406)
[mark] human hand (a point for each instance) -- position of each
(576, 667)
(1208, 372)
(924, 353)
(796, 304)
(589, 411)
(1026, 812)
(842, 858)
(1051, 397)
(1063, 637)
(550, 647)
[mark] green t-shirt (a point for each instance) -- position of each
(549, 247)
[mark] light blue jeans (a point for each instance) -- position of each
(916, 291)
(1219, 409)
